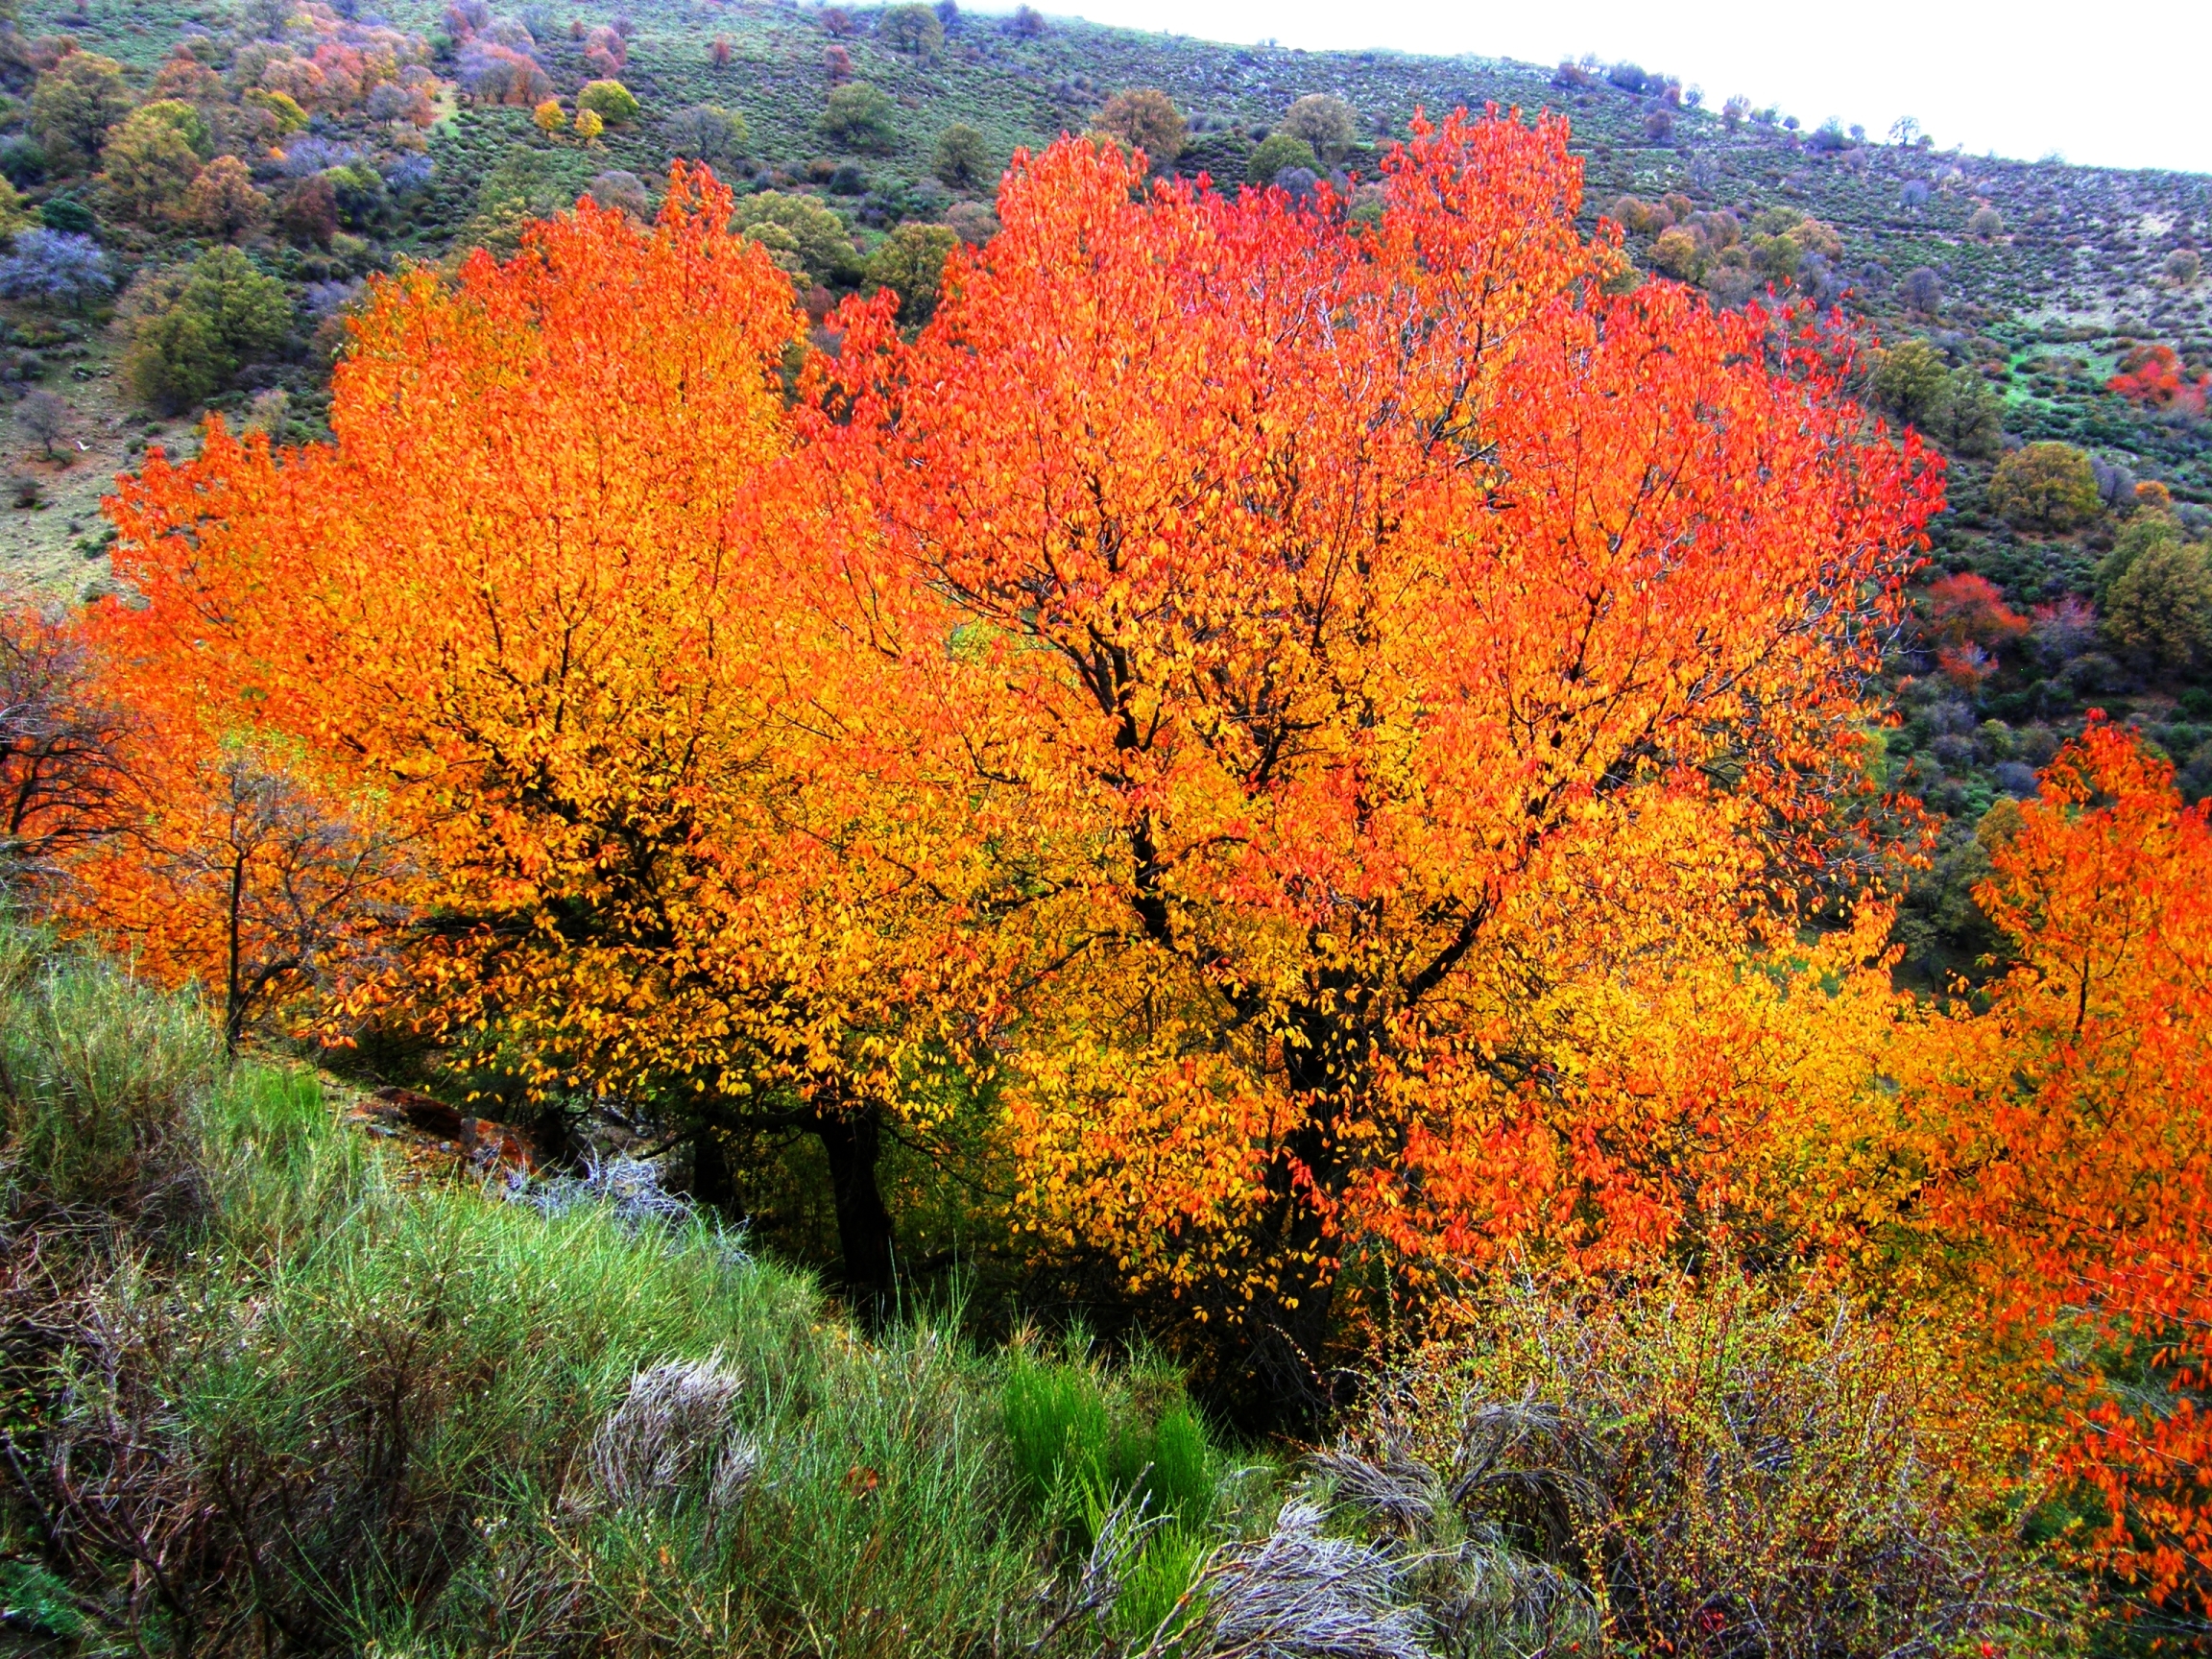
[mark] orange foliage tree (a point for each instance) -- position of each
(562, 599)
(2070, 1136)
(1414, 664)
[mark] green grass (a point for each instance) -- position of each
(369, 1415)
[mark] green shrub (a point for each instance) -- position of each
(2045, 486)
(1275, 153)
(609, 100)
(1059, 1435)
(191, 332)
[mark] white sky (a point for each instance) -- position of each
(2118, 84)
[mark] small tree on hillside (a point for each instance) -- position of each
(1144, 118)
(1325, 123)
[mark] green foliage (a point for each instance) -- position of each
(1275, 153)
(153, 158)
(801, 226)
(1966, 417)
(912, 30)
(911, 263)
(2158, 609)
(192, 331)
(961, 159)
(74, 104)
(861, 117)
(1059, 1435)
(1909, 380)
(2045, 486)
(609, 100)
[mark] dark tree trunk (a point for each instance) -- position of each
(853, 1140)
(710, 1183)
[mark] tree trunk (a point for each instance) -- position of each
(852, 1138)
(710, 1183)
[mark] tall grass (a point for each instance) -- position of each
(352, 1415)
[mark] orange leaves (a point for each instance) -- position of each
(2070, 1127)
(1352, 609)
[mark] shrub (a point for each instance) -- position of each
(1026, 23)
(2045, 486)
(961, 159)
(861, 117)
(1711, 1469)
(718, 52)
(57, 267)
(2182, 267)
(2142, 532)
(1967, 418)
(836, 64)
(911, 264)
(1628, 77)
(1274, 153)
(549, 117)
(1325, 124)
(1144, 118)
(801, 226)
(1985, 222)
(1679, 253)
(589, 125)
(973, 222)
(911, 29)
(73, 106)
(311, 211)
(623, 191)
(608, 100)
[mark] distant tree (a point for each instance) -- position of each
(1327, 124)
(1967, 418)
(2159, 612)
(2045, 486)
(1921, 290)
(912, 30)
(151, 158)
(708, 133)
(588, 126)
(1026, 23)
(911, 264)
(43, 416)
(719, 54)
(2142, 533)
(57, 267)
(223, 202)
(1680, 255)
(837, 22)
(972, 222)
(1733, 112)
(1274, 153)
(804, 227)
(1909, 380)
(621, 190)
(608, 100)
(1658, 125)
(1985, 222)
(961, 159)
(861, 117)
(2184, 265)
(837, 64)
(549, 117)
(73, 106)
(192, 331)
(1144, 118)
(310, 212)
(1628, 76)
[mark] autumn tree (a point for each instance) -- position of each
(223, 202)
(2069, 1136)
(623, 681)
(63, 739)
(1375, 653)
